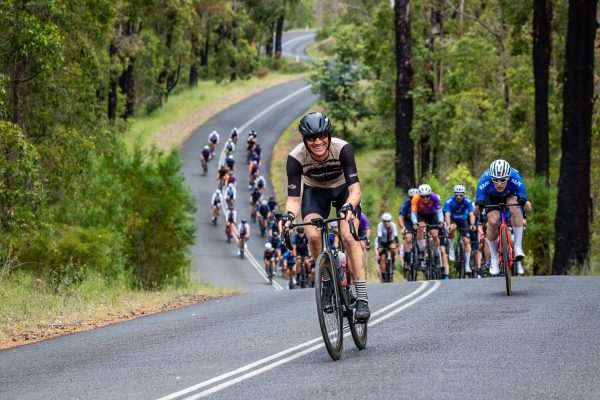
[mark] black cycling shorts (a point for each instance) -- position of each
(462, 225)
(302, 252)
(429, 219)
(318, 201)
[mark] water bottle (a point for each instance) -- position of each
(340, 261)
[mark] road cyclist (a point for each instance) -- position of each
(269, 261)
(216, 200)
(205, 157)
(458, 212)
(230, 221)
(426, 211)
(302, 253)
(289, 266)
(502, 184)
(230, 195)
(243, 236)
(229, 147)
(234, 135)
(263, 214)
(330, 176)
(386, 243)
(213, 141)
(406, 228)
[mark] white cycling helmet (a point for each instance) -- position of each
(206, 147)
(412, 192)
(268, 246)
(386, 217)
(264, 202)
(214, 132)
(500, 169)
(460, 189)
(424, 190)
(230, 185)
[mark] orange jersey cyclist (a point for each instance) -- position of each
(426, 208)
(329, 170)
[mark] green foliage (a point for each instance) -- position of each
(158, 224)
(21, 191)
(539, 237)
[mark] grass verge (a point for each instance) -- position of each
(173, 123)
(321, 50)
(31, 310)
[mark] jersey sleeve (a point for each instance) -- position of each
(447, 207)
(349, 165)
(519, 184)
(481, 186)
(294, 174)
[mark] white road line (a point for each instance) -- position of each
(273, 357)
(247, 252)
(287, 43)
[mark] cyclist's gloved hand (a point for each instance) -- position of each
(473, 228)
(521, 201)
(345, 210)
(480, 204)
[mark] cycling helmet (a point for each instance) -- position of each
(214, 132)
(386, 217)
(500, 169)
(234, 130)
(301, 229)
(230, 185)
(275, 234)
(460, 189)
(230, 157)
(424, 190)
(206, 147)
(412, 192)
(264, 203)
(243, 221)
(314, 124)
(268, 246)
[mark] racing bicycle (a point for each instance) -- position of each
(343, 291)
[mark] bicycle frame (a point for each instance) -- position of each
(505, 245)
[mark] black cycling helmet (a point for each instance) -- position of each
(301, 229)
(314, 124)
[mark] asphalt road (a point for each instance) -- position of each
(451, 339)
(295, 44)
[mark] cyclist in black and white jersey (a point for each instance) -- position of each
(330, 176)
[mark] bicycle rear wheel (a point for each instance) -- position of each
(331, 324)
(504, 237)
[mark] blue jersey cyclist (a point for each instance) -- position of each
(502, 184)
(458, 211)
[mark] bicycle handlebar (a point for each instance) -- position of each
(501, 205)
(320, 223)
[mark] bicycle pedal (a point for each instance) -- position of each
(348, 313)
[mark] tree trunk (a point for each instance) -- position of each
(542, 46)
(233, 60)
(204, 53)
(127, 85)
(278, 36)
(269, 45)
(405, 171)
(113, 88)
(572, 224)
(193, 79)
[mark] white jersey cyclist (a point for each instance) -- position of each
(260, 182)
(217, 198)
(214, 137)
(230, 146)
(244, 229)
(386, 235)
(230, 191)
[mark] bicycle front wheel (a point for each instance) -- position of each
(358, 330)
(506, 259)
(331, 323)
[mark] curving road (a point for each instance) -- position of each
(427, 340)
(295, 43)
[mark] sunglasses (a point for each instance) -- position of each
(499, 180)
(459, 195)
(313, 139)
(426, 196)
